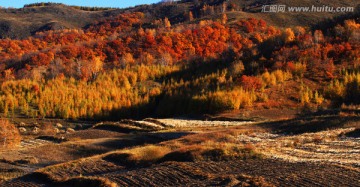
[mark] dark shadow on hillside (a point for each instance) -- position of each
(142, 139)
(200, 67)
(354, 134)
(311, 124)
(180, 101)
(332, 22)
(113, 144)
(129, 142)
(118, 128)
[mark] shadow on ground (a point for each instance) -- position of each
(311, 124)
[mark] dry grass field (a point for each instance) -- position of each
(184, 152)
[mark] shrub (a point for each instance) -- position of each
(318, 99)
(251, 83)
(268, 79)
(276, 77)
(47, 129)
(282, 76)
(237, 68)
(297, 69)
(149, 153)
(227, 100)
(9, 134)
(352, 88)
(308, 96)
(139, 156)
(335, 90)
(347, 91)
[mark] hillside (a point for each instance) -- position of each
(144, 56)
(25, 22)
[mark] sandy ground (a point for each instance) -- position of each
(325, 146)
(200, 123)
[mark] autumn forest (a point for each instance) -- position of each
(131, 65)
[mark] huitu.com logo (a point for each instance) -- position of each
(324, 8)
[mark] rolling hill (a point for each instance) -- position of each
(238, 57)
(24, 22)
